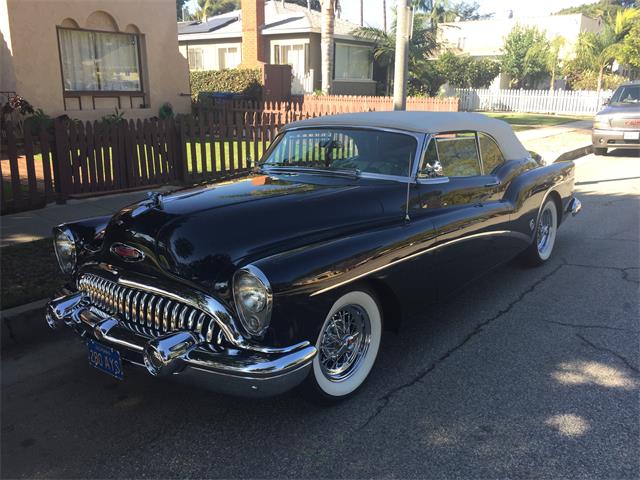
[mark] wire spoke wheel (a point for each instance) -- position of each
(344, 342)
(546, 230)
(347, 346)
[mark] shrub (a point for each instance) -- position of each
(113, 118)
(588, 80)
(241, 81)
(38, 121)
(166, 111)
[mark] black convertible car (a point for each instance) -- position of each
(290, 276)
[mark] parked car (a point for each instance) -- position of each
(291, 276)
(618, 124)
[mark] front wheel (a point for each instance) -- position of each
(542, 247)
(347, 347)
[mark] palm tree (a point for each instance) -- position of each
(328, 12)
(553, 58)
(422, 44)
(599, 50)
(384, 15)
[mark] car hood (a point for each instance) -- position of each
(203, 234)
(619, 109)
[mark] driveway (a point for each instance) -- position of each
(529, 373)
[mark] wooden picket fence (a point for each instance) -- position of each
(75, 159)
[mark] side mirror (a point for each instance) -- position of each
(606, 101)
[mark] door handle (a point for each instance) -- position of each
(494, 183)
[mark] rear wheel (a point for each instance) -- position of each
(542, 247)
(347, 347)
(599, 151)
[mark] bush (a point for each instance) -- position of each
(241, 81)
(38, 121)
(166, 111)
(588, 80)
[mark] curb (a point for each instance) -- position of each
(576, 153)
(17, 331)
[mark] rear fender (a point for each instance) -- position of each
(529, 190)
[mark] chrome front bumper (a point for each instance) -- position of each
(185, 355)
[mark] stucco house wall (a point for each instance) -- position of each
(31, 65)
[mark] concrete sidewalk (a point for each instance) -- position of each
(550, 142)
(36, 224)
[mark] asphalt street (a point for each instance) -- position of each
(528, 373)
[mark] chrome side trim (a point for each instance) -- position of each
(414, 255)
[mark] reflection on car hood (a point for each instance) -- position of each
(202, 234)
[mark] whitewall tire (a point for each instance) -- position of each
(347, 345)
(545, 236)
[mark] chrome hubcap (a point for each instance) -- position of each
(545, 230)
(344, 342)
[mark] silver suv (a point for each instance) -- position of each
(618, 124)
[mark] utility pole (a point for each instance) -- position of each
(401, 66)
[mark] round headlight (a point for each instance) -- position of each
(252, 296)
(65, 247)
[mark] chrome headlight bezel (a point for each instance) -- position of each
(67, 261)
(255, 322)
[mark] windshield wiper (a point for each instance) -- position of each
(314, 171)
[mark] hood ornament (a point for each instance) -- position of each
(154, 199)
(127, 252)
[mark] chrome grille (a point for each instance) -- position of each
(146, 312)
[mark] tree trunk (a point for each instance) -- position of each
(553, 79)
(600, 75)
(326, 43)
(362, 13)
(384, 15)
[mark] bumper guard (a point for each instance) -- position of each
(183, 355)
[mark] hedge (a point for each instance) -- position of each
(243, 81)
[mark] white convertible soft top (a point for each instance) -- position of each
(426, 122)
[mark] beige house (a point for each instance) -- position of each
(485, 38)
(290, 35)
(84, 58)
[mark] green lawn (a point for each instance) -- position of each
(29, 272)
(525, 121)
(231, 151)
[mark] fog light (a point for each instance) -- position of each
(601, 140)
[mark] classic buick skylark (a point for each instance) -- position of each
(290, 276)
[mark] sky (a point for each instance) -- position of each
(500, 8)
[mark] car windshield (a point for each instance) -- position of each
(627, 94)
(333, 149)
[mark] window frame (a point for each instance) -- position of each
(195, 50)
(444, 179)
(101, 93)
(492, 138)
(350, 45)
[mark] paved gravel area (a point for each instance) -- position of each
(528, 373)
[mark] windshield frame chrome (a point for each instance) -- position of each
(418, 136)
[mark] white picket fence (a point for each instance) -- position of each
(582, 102)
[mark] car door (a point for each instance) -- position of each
(464, 200)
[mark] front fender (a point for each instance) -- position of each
(307, 281)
